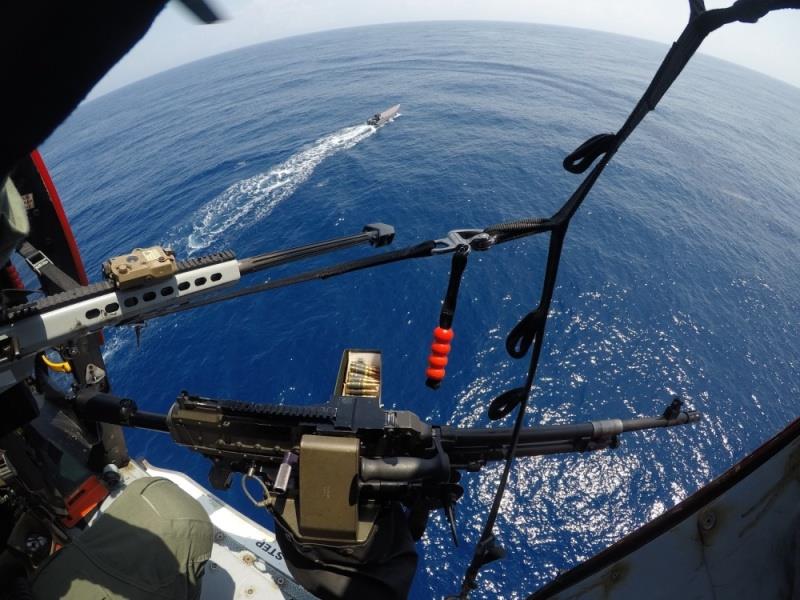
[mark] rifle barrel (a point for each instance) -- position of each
(482, 444)
(377, 234)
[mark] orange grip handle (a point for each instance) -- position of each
(437, 360)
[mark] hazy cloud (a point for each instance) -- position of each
(772, 46)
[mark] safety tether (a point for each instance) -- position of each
(530, 330)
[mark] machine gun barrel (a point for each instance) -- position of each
(472, 448)
(107, 408)
(549, 433)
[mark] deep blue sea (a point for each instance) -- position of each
(680, 275)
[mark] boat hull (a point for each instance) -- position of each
(379, 119)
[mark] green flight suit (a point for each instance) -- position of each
(151, 544)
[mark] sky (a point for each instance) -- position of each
(772, 46)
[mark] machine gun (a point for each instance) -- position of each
(326, 470)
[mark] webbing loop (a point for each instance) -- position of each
(584, 155)
(502, 406)
(521, 337)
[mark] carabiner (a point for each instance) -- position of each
(474, 239)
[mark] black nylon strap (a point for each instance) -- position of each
(458, 264)
(530, 330)
(46, 268)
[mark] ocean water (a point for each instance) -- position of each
(680, 275)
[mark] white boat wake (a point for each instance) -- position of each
(252, 199)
